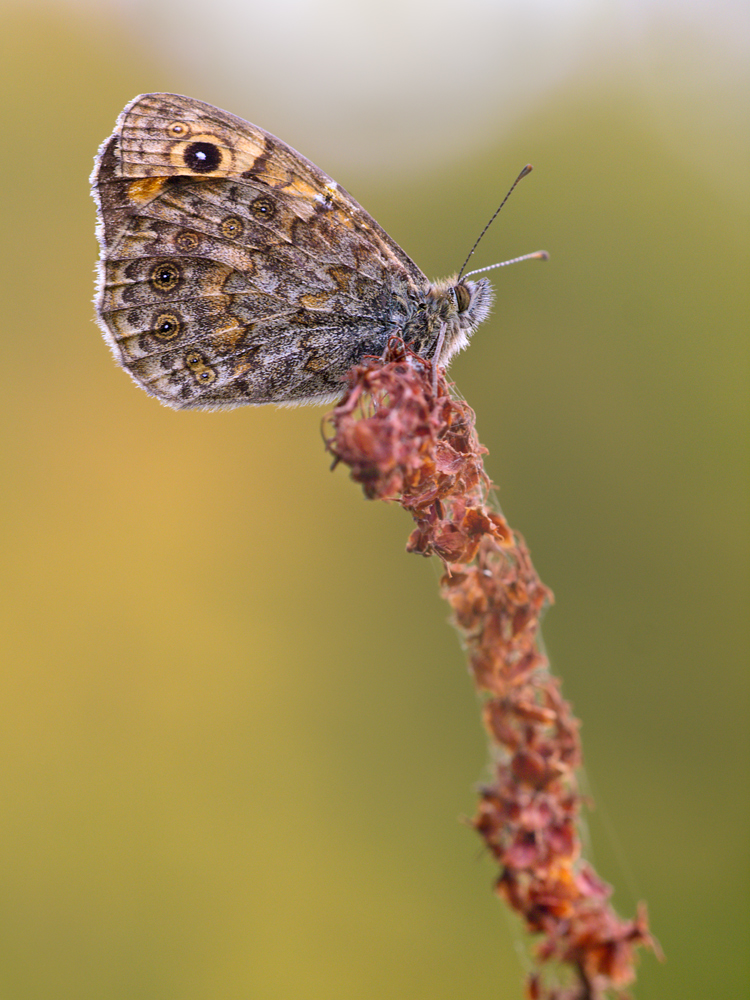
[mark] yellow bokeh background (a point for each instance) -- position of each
(238, 737)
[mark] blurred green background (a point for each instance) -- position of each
(238, 737)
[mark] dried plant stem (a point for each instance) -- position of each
(406, 439)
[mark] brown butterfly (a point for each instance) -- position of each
(234, 271)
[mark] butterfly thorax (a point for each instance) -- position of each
(447, 316)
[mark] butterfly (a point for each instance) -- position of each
(233, 271)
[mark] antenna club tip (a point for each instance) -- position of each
(526, 170)
(541, 255)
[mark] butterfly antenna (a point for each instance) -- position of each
(536, 255)
(526, 170)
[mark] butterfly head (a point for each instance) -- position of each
(457, 307)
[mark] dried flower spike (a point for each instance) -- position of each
(405, 438)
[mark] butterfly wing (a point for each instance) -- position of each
(232, 269)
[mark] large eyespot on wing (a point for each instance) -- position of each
(167, 135)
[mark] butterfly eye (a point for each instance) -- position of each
(202, 157)
(463, 297)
